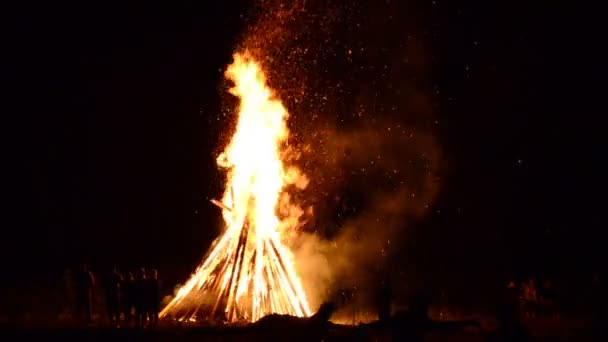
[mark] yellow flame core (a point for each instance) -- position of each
(248, 272)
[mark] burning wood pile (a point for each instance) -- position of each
(249, 273)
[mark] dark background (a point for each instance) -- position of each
(113, 121)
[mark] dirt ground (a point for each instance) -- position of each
(541, 329)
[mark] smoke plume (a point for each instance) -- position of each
(361, 116)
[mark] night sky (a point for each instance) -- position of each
(115, 114)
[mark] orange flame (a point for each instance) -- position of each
(248, 272)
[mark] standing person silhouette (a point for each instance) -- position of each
(153, 297)
(128, 300)
(384, 301)
(84, 293)
(141, 301)
(509, 327)
(114, 296)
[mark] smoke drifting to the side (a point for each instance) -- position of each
(355, 79)
(374, 193)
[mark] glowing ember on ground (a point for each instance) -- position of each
(249, 273)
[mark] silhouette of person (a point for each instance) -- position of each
(114, 296)
(69, 294)
(128, 299)
(84, 293)
(523, 289)
(384, 302)
(509, 327)
(511, 290)
(530, 299)
(141, 309)
(548, 298)
(153, 296)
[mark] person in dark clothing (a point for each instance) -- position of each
(84, 293)
(114, 296)
(69, 294)
(510, 298)
(141, 309)
(511, 292)
(128, 299)
(384, 302)
(509, 328)
(153, 296)
(548, 300)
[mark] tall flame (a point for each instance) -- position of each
(249, 272)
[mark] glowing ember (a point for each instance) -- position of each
(249, 273)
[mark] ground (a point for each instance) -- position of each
(569, 329)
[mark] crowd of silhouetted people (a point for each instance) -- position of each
(131, 299)
(515, 308)
(533, 300)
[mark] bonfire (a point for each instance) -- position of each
(249, 272)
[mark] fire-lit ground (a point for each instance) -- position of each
(568, 329)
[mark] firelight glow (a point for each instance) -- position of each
(249, 272)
